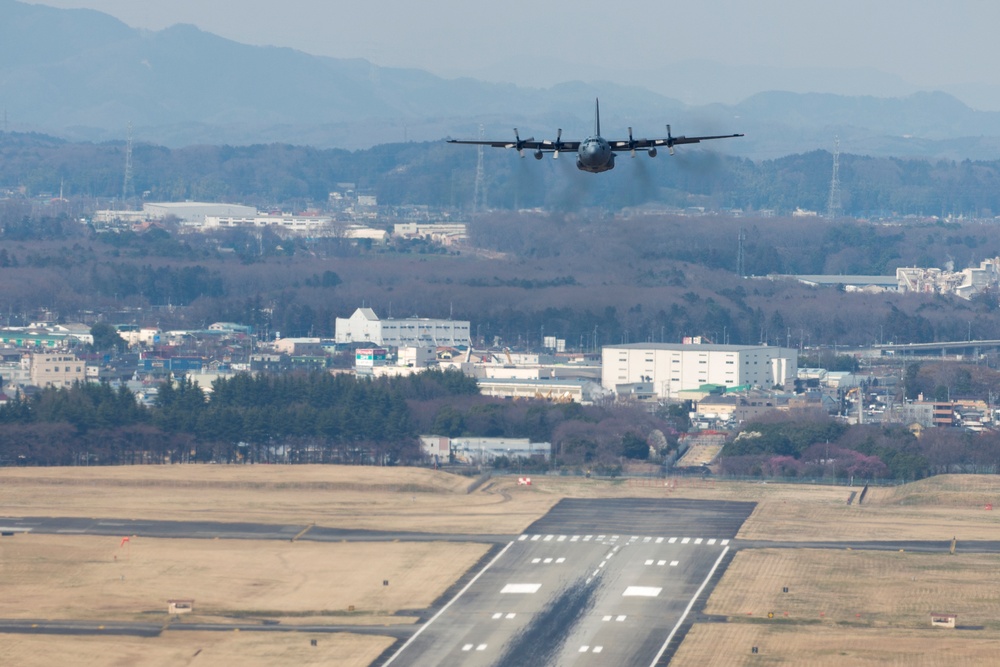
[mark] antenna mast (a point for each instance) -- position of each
(127, 182)
(479, 195)
(741, 268)
(834, 208)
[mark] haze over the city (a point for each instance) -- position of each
(894, 47)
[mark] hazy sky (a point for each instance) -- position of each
(927, 42)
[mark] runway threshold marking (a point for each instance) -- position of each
(690, 604)
(450, 602)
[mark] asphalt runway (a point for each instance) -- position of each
(221, 530)
(594, 582)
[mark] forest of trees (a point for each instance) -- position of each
(591, 279)
(319, 418)
(438, 174)
(814, 446)
(314, 418)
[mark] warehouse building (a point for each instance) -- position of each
(673, 368)
(364, 326)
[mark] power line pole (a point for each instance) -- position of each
(479, 195)
(741, 269)
(127, 181)
(834, 207)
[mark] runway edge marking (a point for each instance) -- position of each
(687, 610)
(450, 602)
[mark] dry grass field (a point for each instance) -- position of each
(866, 588)
(83, 577)
(339, 496)
(177, 649)
(730, 644)
(88, 577)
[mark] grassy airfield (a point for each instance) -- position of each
(843, 606)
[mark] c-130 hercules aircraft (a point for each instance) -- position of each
(595, 153)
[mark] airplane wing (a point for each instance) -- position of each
(670, 141)
(524, 144)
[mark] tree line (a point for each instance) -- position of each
(437, 174)
(309, 418)
(814, 446)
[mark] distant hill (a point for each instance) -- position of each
(84, 75)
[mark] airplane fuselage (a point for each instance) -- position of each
(595, 155)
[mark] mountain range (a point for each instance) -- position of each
(84, 75)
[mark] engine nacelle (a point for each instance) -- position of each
(538, 155)
(652, 152)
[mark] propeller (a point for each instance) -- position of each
(519, 143)
(556, 145)
(670, 140)
(631, 142)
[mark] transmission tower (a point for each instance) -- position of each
(127, 182)
(479, 195)
(741, 268)
(834, 208)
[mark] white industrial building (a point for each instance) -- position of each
(672, 368)
(364, 326)
(195, 212)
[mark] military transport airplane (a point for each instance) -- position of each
(595, 153)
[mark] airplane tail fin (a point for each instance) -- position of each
(597, 117)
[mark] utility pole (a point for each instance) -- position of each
(127, 181)
(834, 207)
(479, 195)
(741, 269)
